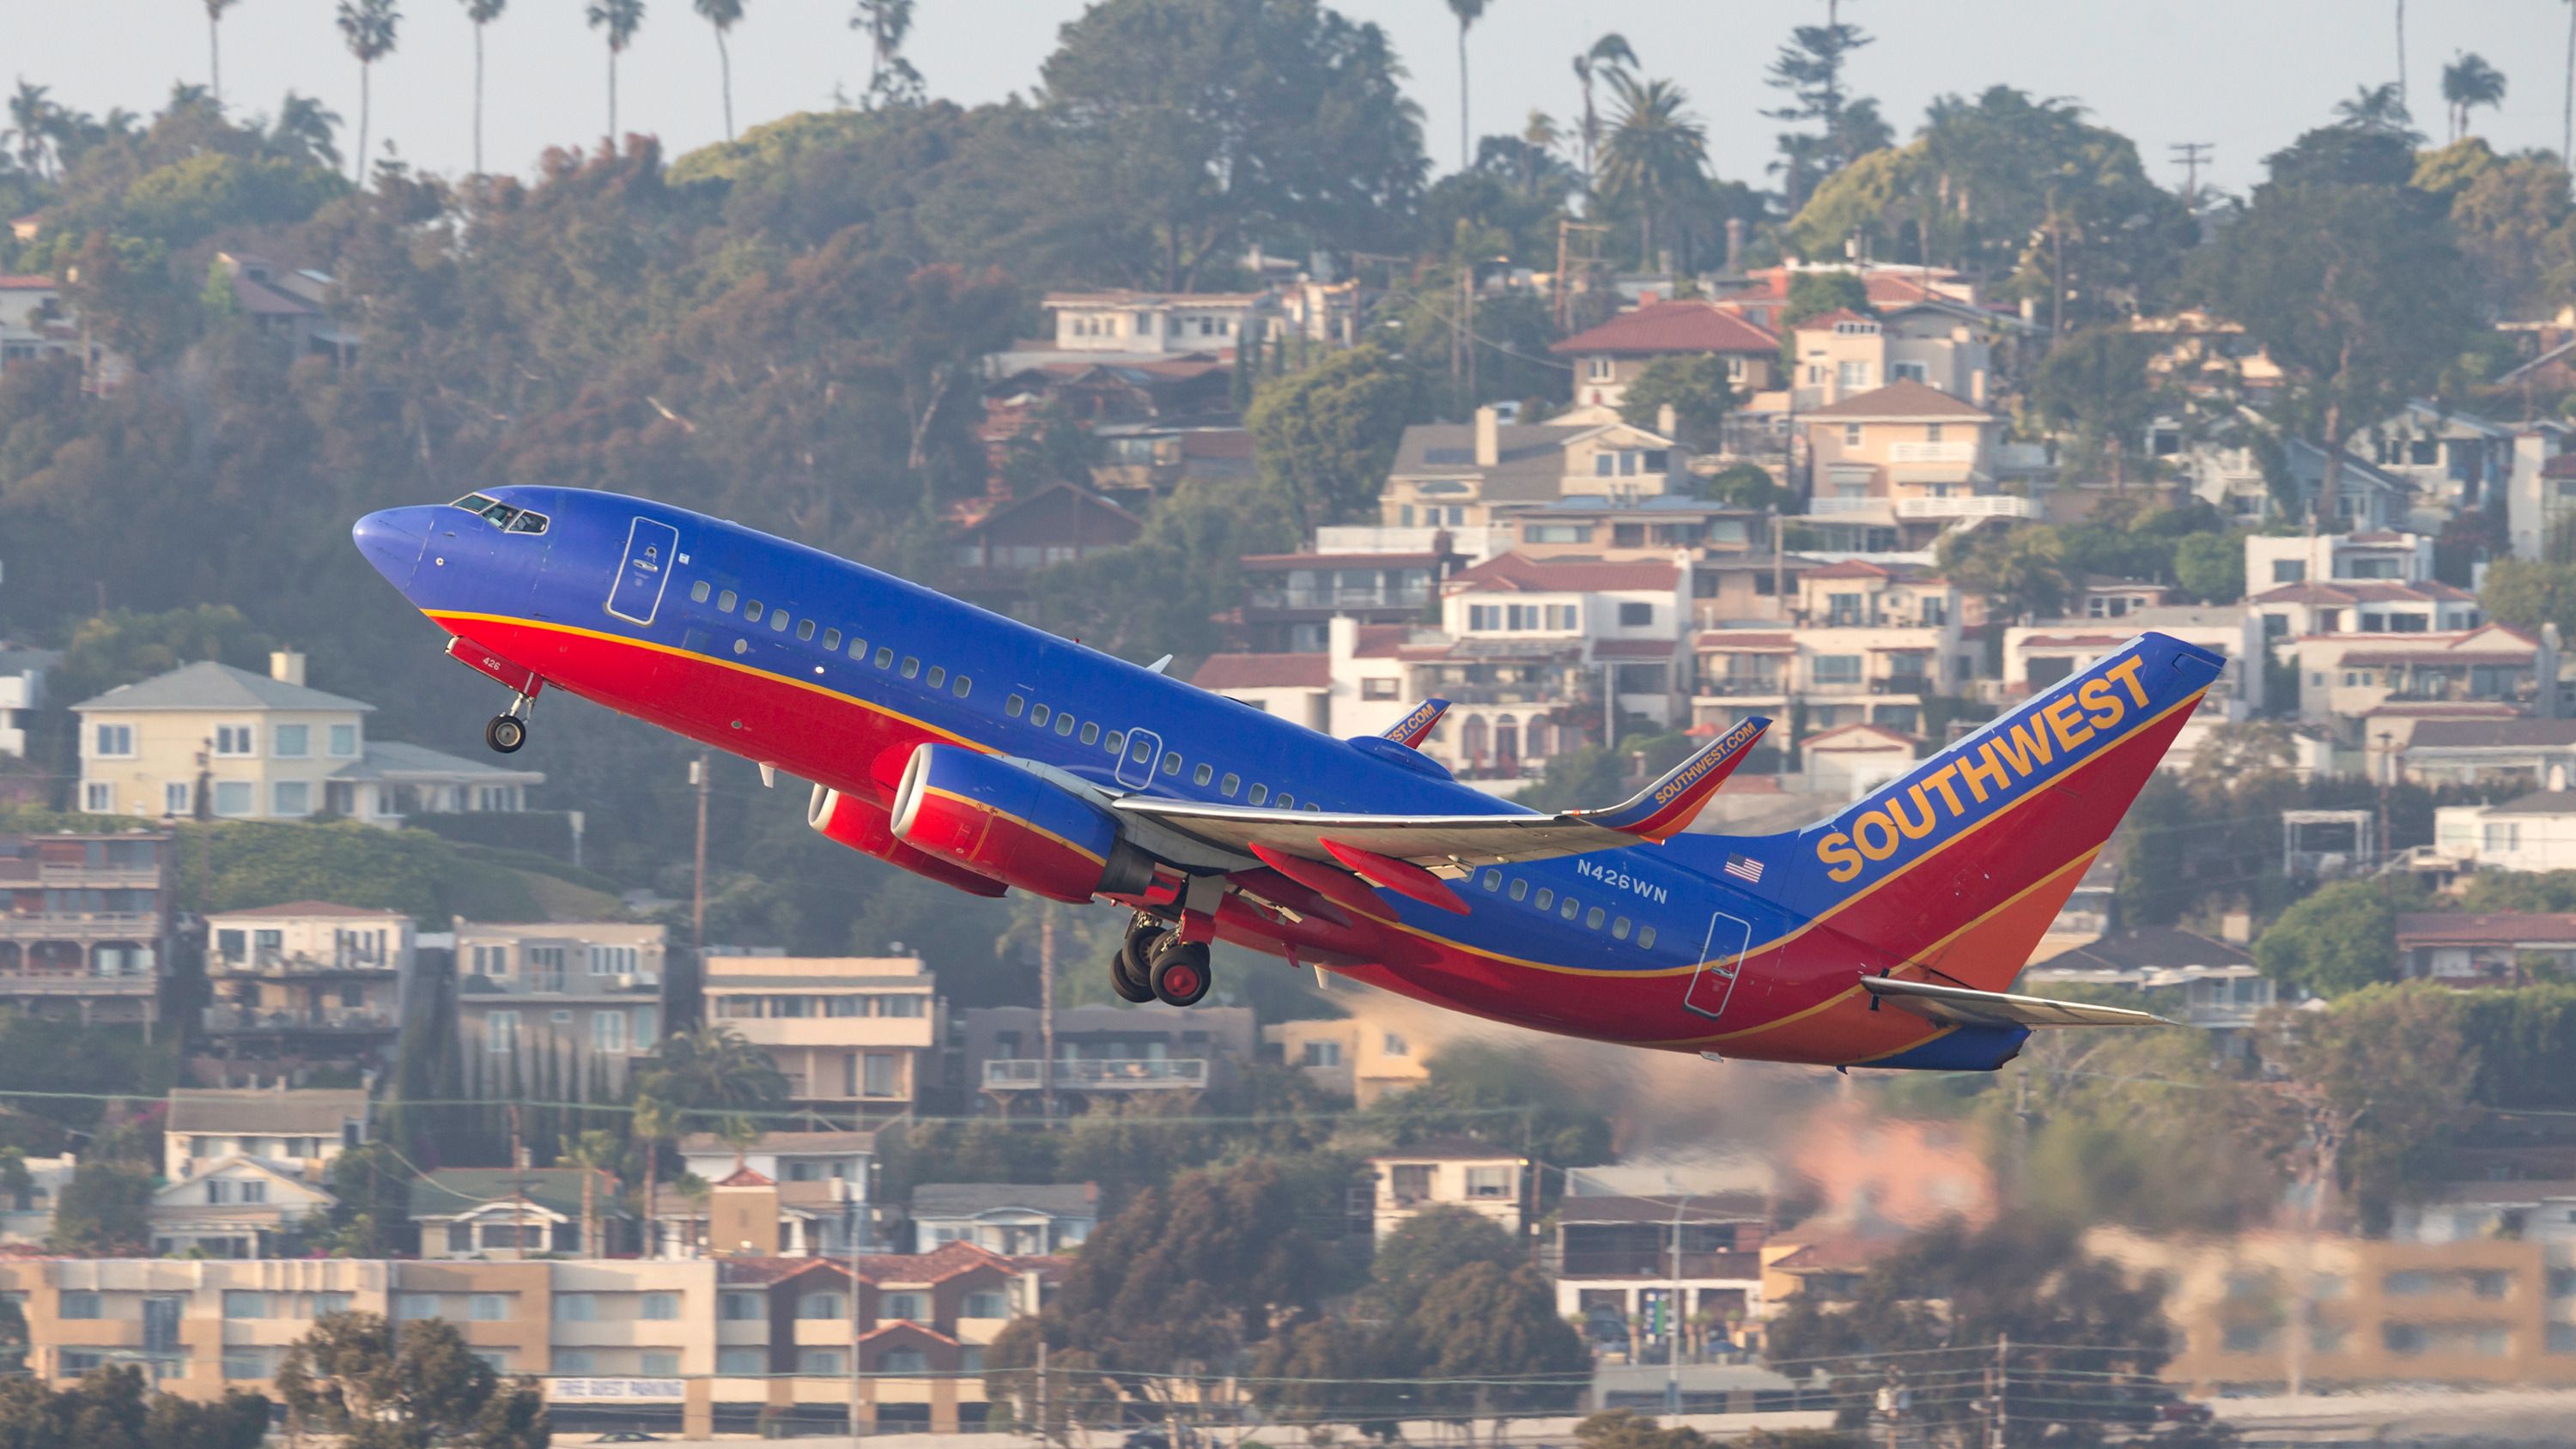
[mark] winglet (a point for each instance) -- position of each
(1661, 810)
(1414, 728)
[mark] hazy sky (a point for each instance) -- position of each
(2246, 75)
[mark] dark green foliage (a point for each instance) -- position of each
(2340, 939)
(1324, 438)
(1746, 485)
(101, 1210)
(1431, 1245)
(1695, 388)
(114, 1409)
(405, 1386)
(1812, 294)
(1490, 1095)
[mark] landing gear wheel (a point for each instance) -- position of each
(1180, 973)
(1129, 974)
(1128, 980)
(505, 734)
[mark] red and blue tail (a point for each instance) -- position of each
(1665, 808)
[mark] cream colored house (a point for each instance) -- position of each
(1844, 354)
(211, 741)
(1474, 475)
(1871, 644)
(238, 1207)
(1487, 1181)
(847, 1031)
(1356, 1058)
(296, 1132)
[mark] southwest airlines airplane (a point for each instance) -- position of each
(985, 754)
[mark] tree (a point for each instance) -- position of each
(2512, 220)
(1810, 69)
(1468, 13)
(368, 28)
(111, 1408)
(596, 1152)
(1657, 155)
(373, 1187)
(2467, 83)
(1498, 1324)
(2341, 939)
(1431, 1245)
(2377, 110)
(723, 15)
(481, 13)
(102, 1209)
(1324, 438)
(1194, 125)
(1746, 485)
(2347, 276)
(1491, 1096)
(618, 20)
(31, 124)
(891, 78)
(404, 1386)
(2095, 381)
(1605, 58)
(2022, 571)
(2391, 1069)
(2211, 567)
(305, 129)
(1695, 388)
(2527, 593)
(215, 46)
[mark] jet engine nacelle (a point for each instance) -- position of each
(998, 820)
(864, 828)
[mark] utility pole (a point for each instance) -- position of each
(698, 900)
(1046, 1011)
(2003, 1386)
(2191, 154)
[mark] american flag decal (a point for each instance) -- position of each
(1744, 867)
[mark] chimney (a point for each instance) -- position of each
(2236, 927)
(1489, 437)
(2557, 779)
(286, 666)
(1735, 246)
(1667, 422)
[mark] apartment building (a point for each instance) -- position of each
(1843, 354)
(266, 747)
(1619, 1260)
(589, 992)
(1291, 599)
(306, 983)
(22, 693)
(852, 1034)
(1102, 1053)
(85, 925)
(298, 1132)
(1485, 1180)
(195, 1328)
(1897, 465)
(2037, 656)
(1120, 320)
(1871, 643)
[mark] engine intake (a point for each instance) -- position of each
(991, 817)
(863, 827)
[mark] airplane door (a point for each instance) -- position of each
(1721, 957)
(1136, 763)
(644, 569)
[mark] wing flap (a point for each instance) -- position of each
(1960, 1006)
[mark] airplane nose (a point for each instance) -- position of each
(393, 541)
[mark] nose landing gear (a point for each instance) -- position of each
(508, 730)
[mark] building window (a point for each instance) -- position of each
(488, 1308)
(1837, 668)
(903, 1361)
(293, 798)
(501, 1032)
(901, 1308)
(233, 740)
(245, 1363)
(818, 1361)
(608, 1031)
(742, 1361)
(1489, 1182)
(1411, 1182)
(740, 1308)
(233, 797)
(574, 1361)
(577, 1307)
(1597, 369)
(292, 741)
(819, 1305)
(98, 798)
(79, 1304)
(113, 741)
(987, 1304)
(415, 1305)
(660, 1307)
(1636, 616)
(1323, 1054)
(884, 1075)
(661, 1365)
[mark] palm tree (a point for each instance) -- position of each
(368, 26)
(722, 14)
(1468, 13)
(482, 13)
(31, 122)
(308, 128)
(1657, 153)
(1607, 57)
(2401, 52)
(2377, 109)
(595, 1151)
(656, 1122)
(215, 46)
(2467, 83)
(890, 76)
(619, 18)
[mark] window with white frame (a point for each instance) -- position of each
(178, 797)
(98, 797)
(291, 741)
(500, 1032)
(608, 1031)
(344, 741)
(112, 741)
(292, 797)
(235, 740)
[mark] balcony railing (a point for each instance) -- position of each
(1339, 598)
(1959, 452)
(1978, 505)
(1096, 1074)
(1844, 505)
(1901, 684)
(1738, 688)
(277, 963)
(89, 927)
(77, 983)
(1652, 1263)
(350, 1019)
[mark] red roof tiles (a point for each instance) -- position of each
(1560, 575)
(1678, 326)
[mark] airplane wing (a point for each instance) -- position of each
(1960, 1006)
(1414, 728)
(1381, 846)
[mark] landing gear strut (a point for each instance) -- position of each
(509, 729)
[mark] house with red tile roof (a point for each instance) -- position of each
(2484, 948)
(2346, 676)
(1607, 358)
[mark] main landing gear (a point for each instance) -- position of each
(509, 729)
(1155, 964)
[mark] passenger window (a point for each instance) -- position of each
(1064, 724)
(1259, 794)
(1619, 929)
(698, 592)
(1091, 734)
(831, 641)
(885, 657)
(960, 685)
(1287, 801)
(1013, 706)
(1203, 774)
(1115, 741)
(1493, 880)
(778, 622)
(1546, 898)
(1232, 783)
(1646, 938)
(1311, 805)
(1570, 908)
(938, 676)
(1592, 919)
(1171, 761)
(1141, 752)
(858, 647)
(804, 630)
(751, 611)
(1520, 890)
(911, 667)
(724, 601)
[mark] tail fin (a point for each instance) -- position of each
(1414, 728)
(1961, 865)
(1665, 808)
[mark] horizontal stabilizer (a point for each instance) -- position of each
(1959, 1006)
(1665, 808)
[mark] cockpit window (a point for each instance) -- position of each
(502, 515)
